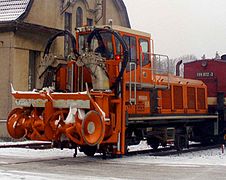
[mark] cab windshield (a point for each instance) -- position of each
(105, 48)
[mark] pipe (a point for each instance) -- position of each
(178, 67)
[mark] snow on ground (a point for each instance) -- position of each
(206, 157)
(193, 159)
(23, 175)
(2, 143)
(34, 153)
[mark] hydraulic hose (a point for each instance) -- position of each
(96, 33)
(61, 33)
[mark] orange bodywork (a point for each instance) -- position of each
(99, 117)
(46, 120)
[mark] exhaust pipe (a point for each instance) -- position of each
(178, 67)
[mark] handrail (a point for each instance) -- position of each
(132, 100)
(159, 70)
(156, 68)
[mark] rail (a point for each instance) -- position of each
(170, 150)
(159, 66)
(29, 145)
(132, 99)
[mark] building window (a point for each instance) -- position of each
(33, 60)
(67, 26)
(79, 17)
(68, 21)
(89, 22)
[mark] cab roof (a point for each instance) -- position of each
(118, 28)
(130, 31)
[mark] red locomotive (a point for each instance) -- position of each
(113, 92)
(212, 73)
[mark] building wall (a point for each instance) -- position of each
(6, 54)
(112, 12)
(46, 13)
(24, 43)
(51, 12)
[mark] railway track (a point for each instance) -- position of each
(191, 149)
(35, 145)
(167, 151)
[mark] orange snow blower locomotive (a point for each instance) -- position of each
(111, 93)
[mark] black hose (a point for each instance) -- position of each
(61, 33)
(96, 33)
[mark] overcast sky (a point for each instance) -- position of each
(182, 27)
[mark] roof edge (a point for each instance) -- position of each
(13, 26)
(123, 12)
(24, 15)
(200, 60)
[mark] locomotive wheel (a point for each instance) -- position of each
(93, 128)
(54, 123)
(179, 143)
(89, 150)
(153, 142)
(181, 139)
(13, 124)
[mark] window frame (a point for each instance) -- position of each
(131, 59)
(146, 60)
(79, 17)
(67, 26)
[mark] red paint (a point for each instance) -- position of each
(211, 72)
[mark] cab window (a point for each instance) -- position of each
(144, 53)
(106, 51)
(118, 47)
(82, 42)
(107, 39)
(131, 43)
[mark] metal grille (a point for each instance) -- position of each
(166, 99)
(178, 97)
(191, 97)
(201, 98)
